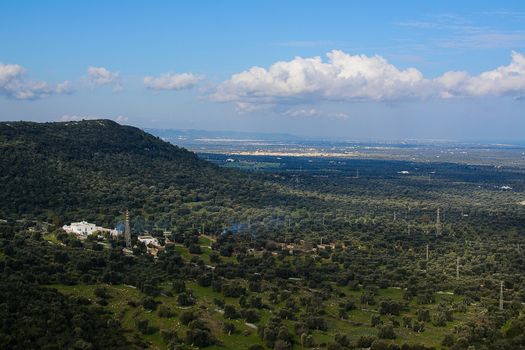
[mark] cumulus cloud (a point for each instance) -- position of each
(503, 81)
(345, 77)
(14, 84)
(73, 118)
(342, 77)
(100, 76)
(172, 81)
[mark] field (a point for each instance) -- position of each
(357, 324)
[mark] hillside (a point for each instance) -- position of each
(65, 171)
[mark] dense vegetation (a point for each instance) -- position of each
(241, 270)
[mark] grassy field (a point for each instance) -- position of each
(50, 237)
(358, 323)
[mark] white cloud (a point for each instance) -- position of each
(342, 77)
(345, 77)
(65, 87)
(100, 76)
(14, 84)
(503, 81)
(172, 81)
(72, 118)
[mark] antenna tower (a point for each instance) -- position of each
(438, 224)
(501, 296)
(127, 231)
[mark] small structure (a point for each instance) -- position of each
(149, 240)
(83, 229)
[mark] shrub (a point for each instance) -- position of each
(386, 332)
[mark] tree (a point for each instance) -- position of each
(386, 332)
(165, 311)
(228, 328)
(179, 286)
(423, 315)
(375, 320)
(448, 341)
(185, 299)
(231, 312)
(149, 303)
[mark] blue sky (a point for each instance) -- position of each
(362, 70)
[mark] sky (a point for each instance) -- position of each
(448, 70)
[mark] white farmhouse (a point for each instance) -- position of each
(83, 229)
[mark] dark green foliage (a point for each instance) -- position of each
(250, 315)
(199, 334)
(179, 286)
(165, 311)
(390, 307)
(386, 332)
(231, 312)
(423, 315)
(365, 341)
(34, 317)
(186, 317)
(185, 299)
(149, 303)
(228, 328)
(448, 340)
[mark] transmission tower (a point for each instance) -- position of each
(127, 231)
(438, 224)
(501, 296)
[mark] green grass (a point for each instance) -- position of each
(118, 305)
(50, 237)
(358, 323)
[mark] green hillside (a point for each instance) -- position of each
(94, 169)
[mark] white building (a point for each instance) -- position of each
(147, 240)
(84, 229)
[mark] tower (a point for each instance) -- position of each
(501, 296)
(127, 231)
(438, 224)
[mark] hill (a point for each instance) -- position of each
(94, 169)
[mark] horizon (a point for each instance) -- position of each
(410, 70)
(299, 137)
